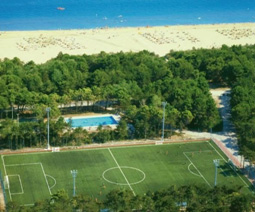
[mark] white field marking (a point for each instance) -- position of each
(6, 174)
(55, 182)
(29, 204)
(197, 170)
(121, 172)
(192, 171)
(224, 172)
(229, 166)
(23, 164)
(21, 186)
(135, 145)
(204, 151)
(200, 151)
(46, 179)
(126, 167)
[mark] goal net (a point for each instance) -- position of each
(55, 149)
(6, 182)
(159, 142)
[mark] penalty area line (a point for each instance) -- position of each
(45, 178)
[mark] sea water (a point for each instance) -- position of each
(84, 14)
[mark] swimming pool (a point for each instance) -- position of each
(92, 121)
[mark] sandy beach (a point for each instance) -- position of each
(41, 46)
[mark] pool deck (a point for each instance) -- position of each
(84, 115)
(92, 115)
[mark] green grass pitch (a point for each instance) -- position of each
(138, 168)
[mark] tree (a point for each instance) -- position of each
(102, 135)
(3, 105)
(122, 130)
(86, 203)
(120, 200)
(79, 136)
(242, 203)
(60, 202)
(185, 118)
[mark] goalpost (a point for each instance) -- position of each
(158, 142)
(55, 149)
(6, 182)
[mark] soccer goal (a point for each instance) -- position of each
(158, 142)
(55, 149)
(6, 182)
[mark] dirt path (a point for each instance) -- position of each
(227, 136)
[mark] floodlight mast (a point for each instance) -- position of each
(74, 174)
(12, 111)
(48, 126)
(216, 164)
(163, 121)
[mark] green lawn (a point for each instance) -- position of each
(139, 168)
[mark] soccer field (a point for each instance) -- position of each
(36, 176)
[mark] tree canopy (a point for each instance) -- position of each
(233, 67)
(136, 82)
(191, 198)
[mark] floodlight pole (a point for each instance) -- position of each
(163, 120)
(216, 164)
(12, 111)
(18, 118)
(48, 126)
(74, 174)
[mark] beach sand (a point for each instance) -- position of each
(41, 46)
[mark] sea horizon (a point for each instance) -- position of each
(31, 15)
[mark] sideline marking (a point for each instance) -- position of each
(26, 205)
(229, 166)
(199, 151)
(125, 167)
(21, 186)
(197, 170)
(6, 175)
(122, 172)
(99, 147)
(23, 164)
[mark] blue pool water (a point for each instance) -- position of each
(80, 14)
(92, 121)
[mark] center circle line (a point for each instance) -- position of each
(125, 167)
